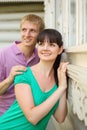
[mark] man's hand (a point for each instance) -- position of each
(16, 70)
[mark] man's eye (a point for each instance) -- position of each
(33, 31)
(23, 29)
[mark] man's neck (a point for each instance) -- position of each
(27, 51)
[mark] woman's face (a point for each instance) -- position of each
(48, 51)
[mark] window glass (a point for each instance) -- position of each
(84, 21)
(72, 22)
(59, 15)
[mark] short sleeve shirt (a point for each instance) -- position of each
(9, 57)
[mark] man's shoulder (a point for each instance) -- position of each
(6, 49)
(8, 45)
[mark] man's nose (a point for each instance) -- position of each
(28, 33)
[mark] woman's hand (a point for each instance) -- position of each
(62, 74)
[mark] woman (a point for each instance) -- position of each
(41, 90)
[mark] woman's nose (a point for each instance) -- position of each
(46, 46)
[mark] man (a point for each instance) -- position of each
(15, 58)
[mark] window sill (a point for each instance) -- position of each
(77, 49)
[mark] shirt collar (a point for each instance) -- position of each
(15, 48)
(17, 51)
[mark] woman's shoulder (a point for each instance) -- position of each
(24, 77)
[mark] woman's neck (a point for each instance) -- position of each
(45, 68)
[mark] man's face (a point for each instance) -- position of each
(29, 33)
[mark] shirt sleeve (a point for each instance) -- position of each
(23, 78)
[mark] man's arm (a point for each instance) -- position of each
(9, 80)
(4, 85)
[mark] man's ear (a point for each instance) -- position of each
(61, 50)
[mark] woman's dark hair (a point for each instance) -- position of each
(54, 37)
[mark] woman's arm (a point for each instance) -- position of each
(35, 113)
(61, 112)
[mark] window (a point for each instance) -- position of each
(74, 22)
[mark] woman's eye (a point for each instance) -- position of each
(51, 44)
(40, 43)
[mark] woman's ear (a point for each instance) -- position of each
(60, 50)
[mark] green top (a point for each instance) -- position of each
(14, 119)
